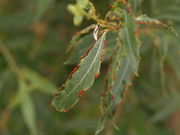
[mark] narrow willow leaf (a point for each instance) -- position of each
(83, 44)
(82, 77)
(146, 19)
(118, 79)
(78, 36)
(106, 100)
(124, 65)
(27, 107)
(129, 40)
(81, 47)
(123, 80)
(36, 81)
(143, 19)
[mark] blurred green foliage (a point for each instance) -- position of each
(34, 37)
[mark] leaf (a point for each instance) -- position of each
(143, 19)
(117, 81)
(83, 44)
(82, 77)
(146, 19)
(27, 107)
(124, 65)
(80, 35)
(81, 47)
(106, 99)
(129, 40)
(35, 82)
(38, 82)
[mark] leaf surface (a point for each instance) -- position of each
(83, 44)
(129, 40)
(27, 107)
(124, 65)
(82, 77)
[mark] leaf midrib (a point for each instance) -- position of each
(86, 72)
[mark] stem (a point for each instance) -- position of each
(10, 60)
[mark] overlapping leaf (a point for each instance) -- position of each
(129, 40)
(82, 77)
(124, 64)
(83, 44)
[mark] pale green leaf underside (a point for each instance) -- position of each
(82, 79)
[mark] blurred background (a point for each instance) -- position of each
(34, 36)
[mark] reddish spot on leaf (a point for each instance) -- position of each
(110, 87)
(70, 75)
(60, 88)
(84, 31)
(102, 55)
(66, 110)
(128, 7)
(55, 95)
(105, 44)
(81, 93)
(97, 75)
(110, 6)
(137, 32)
(103, 51)
(76, 68)
(105, 80)
(139, 22)
(88, 51)
(73, 71)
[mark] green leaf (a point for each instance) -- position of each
(27, 107)
(146, 19)
(81, 47)
(143, 19)
(118, 79)
(82, 77)
(129, 40)
(83, 44)
(124, 65)
(36, 81)
(106, 100)
(79, 36)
